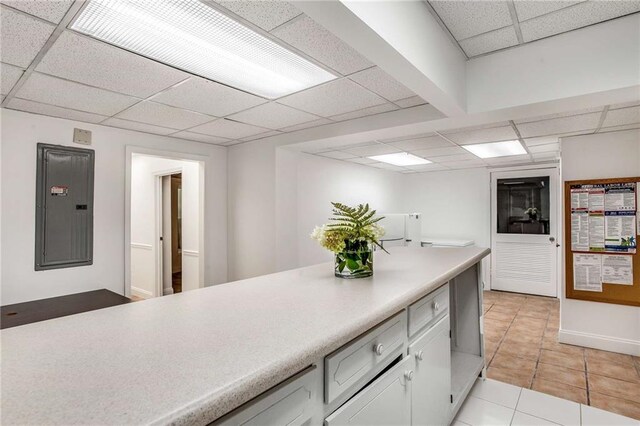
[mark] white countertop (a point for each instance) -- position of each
(191, 357)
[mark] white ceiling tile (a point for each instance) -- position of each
(559, 115)
(424, 143)
(208, 97)
(493, 134)
(577, 16)
(21, 37)
(164, 115)
(552, 147)
(410, 102)
(273, 116)
(261, 135)
(472, 164)
(468, 18)
(54, 111)
(490, 42)
(527, 9)
(50, 10)
(433, 167)
(378, 109)
(622, 116)
(308, 125)
(338, 155)
(544, 140)
(9, 76)
(200, 138)
(619, 128)
(371, 150)
(361, 160)
(440, 152)
(444, 159)
(228, 129)
(54, 91)
(559, 125)
(309, 37)
(513, 159)
(378, 81)
(625, 105)
(335, 97)
(387, 166)
(137, 126)
(98, 64)
(405, 138)
(266, 14)
(539, 156)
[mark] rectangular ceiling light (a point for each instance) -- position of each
(400, 159)
(496, 149)
(198, 39)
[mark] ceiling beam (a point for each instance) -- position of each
(405, 40)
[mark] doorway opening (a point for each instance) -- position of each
(166, 226)
(524, 229)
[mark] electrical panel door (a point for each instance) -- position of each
(64, 207)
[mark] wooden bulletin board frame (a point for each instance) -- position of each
(611, 293)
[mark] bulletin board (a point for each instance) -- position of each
(602, 222)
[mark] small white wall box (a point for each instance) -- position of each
(82, 136)
(402, 229)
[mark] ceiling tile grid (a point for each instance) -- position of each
(9, 76)
(261, 136)
(378, 81)
(582, 122)
(527, 9)
(54, 91)
(307, 125)
(54, 111)
(228, 129)
(266, 14)
(88, 61)
(468, 18)
(423, 143)
(273, 116)
(21, 36)
(410, 102)
(622, 116)
(199, 137)
(164, 115)
(492, 134)
(378, 109)
(50, 10)
(137, 126)
(490, 42)
(309, 37)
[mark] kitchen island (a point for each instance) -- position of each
(296, 345)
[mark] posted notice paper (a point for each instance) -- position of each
(587, 272)
(617, 269)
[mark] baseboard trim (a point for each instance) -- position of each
(596, 341)
(140, 292)
(142, 246)
(167, 290)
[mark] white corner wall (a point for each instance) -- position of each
(600, 325)
(144, 245)
(19, 135)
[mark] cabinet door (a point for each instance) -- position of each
(431, 385)
(385, 402)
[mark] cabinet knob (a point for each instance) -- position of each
(419, 355)
(408, 375)
(378, 349)
(436, 306)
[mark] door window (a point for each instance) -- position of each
(523, 205)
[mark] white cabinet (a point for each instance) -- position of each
(385, 402)
(431, 385)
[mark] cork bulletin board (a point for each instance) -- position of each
(602, 222)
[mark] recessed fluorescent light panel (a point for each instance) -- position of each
(400, 159)
(496, 149)
(199, 39)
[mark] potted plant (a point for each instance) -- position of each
(351, 235)
(532, 212)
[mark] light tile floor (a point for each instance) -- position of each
(521, 343)
(494, 403)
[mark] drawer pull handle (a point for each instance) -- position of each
(378, 349)
(419, 355)
(436, 306)
(408, 375)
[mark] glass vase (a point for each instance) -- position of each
(356, 261)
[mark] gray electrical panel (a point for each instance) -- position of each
(64, 207)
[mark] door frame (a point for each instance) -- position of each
(202, 161)
(159, 218)
(558, 217)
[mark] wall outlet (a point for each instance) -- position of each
(82, 136)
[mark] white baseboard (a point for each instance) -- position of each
(167, 290)
(139, 292)
(596, 341)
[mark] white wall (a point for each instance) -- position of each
(20, 133)
(600, 325)
(144, 245)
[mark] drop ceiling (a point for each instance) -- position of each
(481, 27)
(80, 78)
(539, 135)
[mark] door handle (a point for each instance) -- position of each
(552, 239)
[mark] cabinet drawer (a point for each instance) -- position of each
(289, 403)
(360, 360)
(386, 401)
(428, 310)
